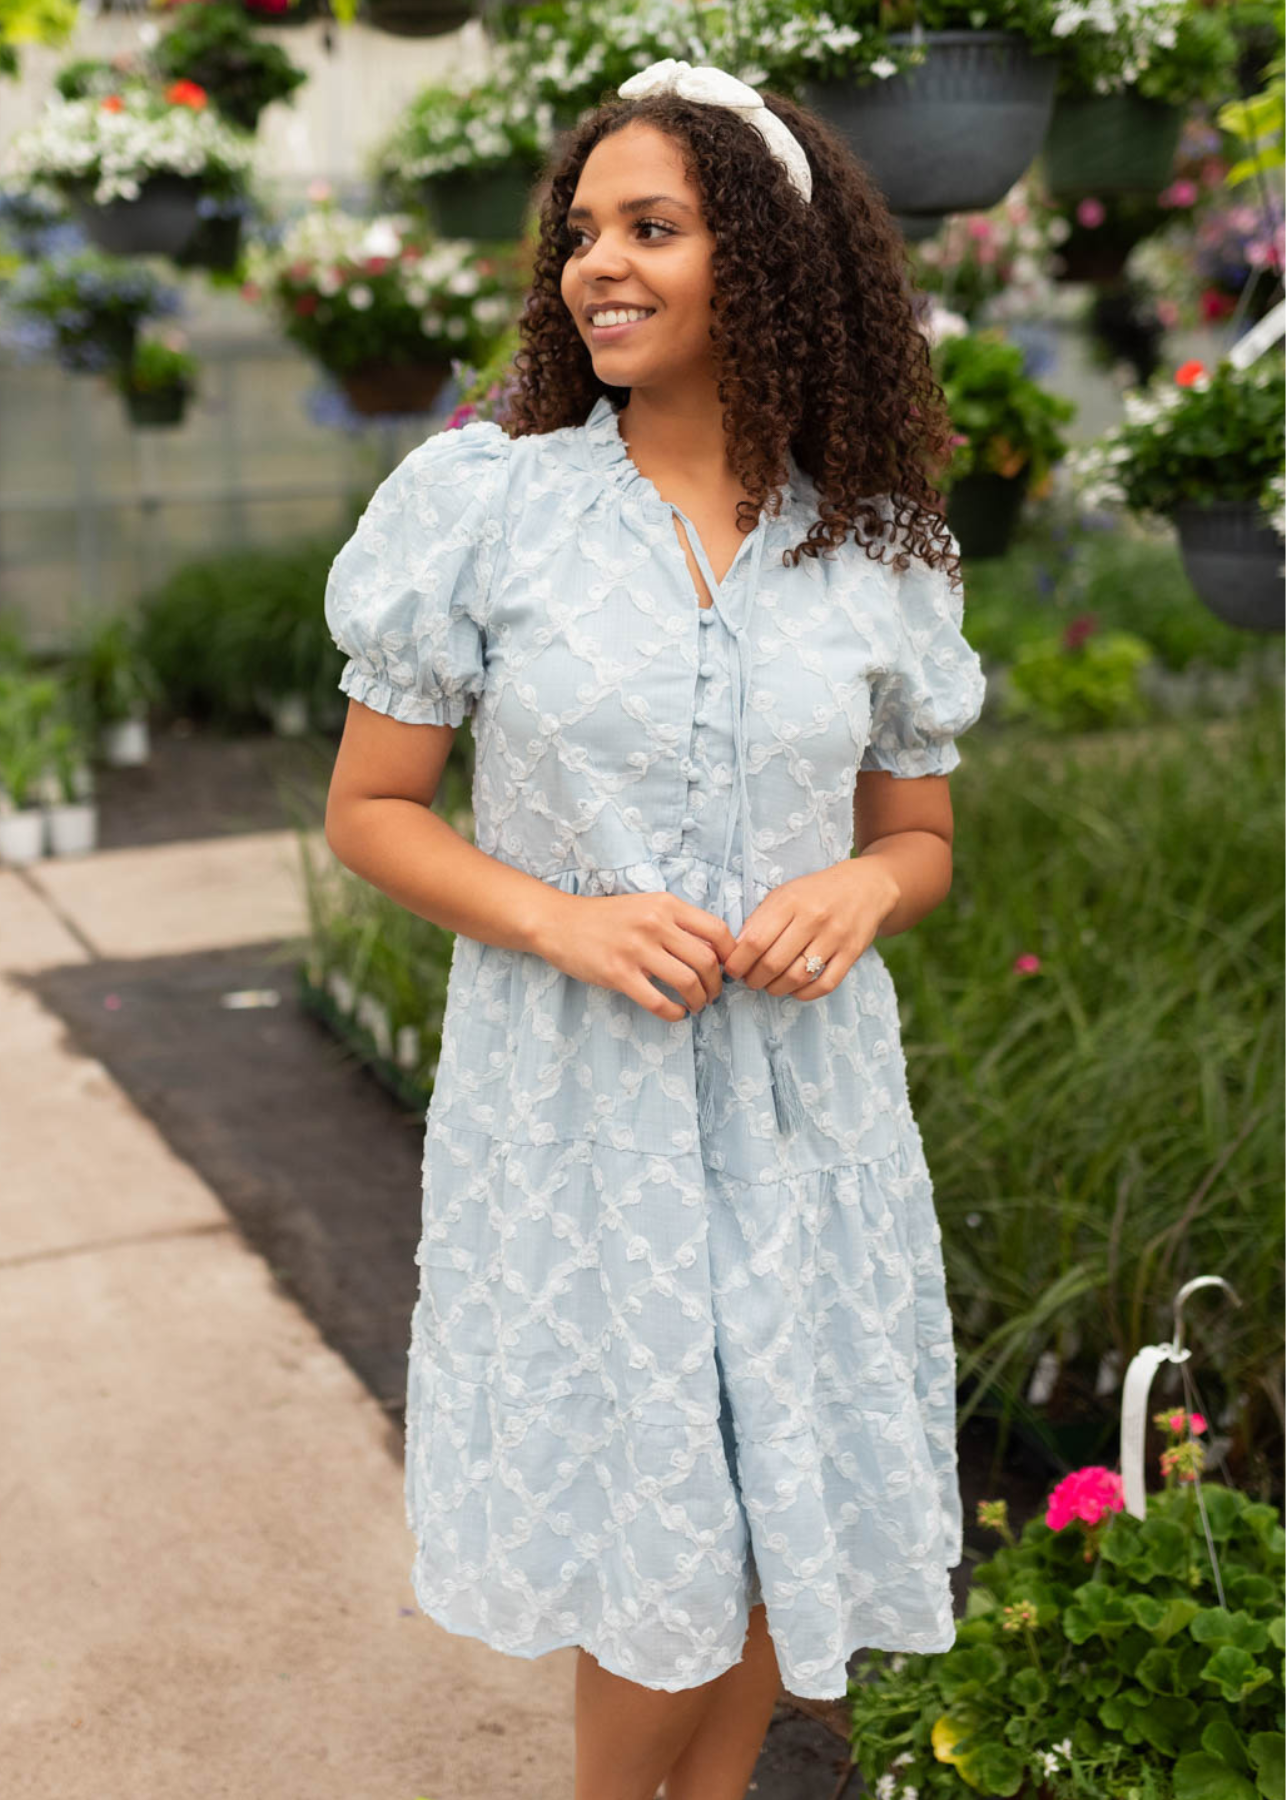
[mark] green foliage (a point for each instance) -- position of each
(1081, 685)
(1105, 1120)
(226, 633)
(109, 672)
(1009, 422)
(157, 366)
(1117, 1674)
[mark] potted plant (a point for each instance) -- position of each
(1201, 448)
(28, 704)
(133, 164)
(114, 684)
(215, 45)
(417, 18)
(382, 306)
(84, 308)
(469, 158)
(66, 792)
(1007, 436)
(157, 385)
(946, 102)
(1126, 73)
(1099, 1653)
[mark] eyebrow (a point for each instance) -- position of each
(633, 206)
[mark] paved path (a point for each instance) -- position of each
(204, 1561)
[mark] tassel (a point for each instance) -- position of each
(785, 1095)
(706, 1119)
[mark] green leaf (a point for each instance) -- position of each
(1198, 1776)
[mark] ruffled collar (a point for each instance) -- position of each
(609, 454)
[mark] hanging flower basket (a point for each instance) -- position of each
(417, 18)
(1233, 558)
(214, 245)
(157, 406)
(160, 222)
(983, 510)
(1110, 144)
(482, 203)
(955, 133)
(388, 387)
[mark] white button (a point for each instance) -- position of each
(687, 822)
(707, 669)
(706, 615)
(701, 718)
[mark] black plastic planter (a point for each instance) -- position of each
(156, 406)
(983, 510)
(483, 204)
(417, 18)
(159, 223)
(1110, 144)
(1233, 558)
(954, 134)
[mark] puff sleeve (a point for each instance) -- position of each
(406, 596)
(933, 687)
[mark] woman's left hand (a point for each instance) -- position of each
(833, 913)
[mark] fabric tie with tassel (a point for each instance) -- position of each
(788, 1107)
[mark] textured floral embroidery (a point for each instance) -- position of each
(666, 1356)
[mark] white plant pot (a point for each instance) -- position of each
(290, 715)
(125, 743)
(22, 835)
(73, 827)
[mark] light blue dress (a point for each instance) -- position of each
(682, 1335)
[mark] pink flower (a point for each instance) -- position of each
(1090, 213)
(1085, 1494)
(1179, 193)
(1026, 964)
(980, 227)
(1082, 626)
(1196, 1420)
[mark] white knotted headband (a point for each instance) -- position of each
(715, 87)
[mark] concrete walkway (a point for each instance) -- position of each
(204, 1561)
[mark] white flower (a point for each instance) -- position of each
(431, 324)
(380, 239)
(360, 296)
(883, 68)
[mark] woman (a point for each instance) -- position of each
(681, 1382)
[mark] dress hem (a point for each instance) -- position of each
(676, 1687)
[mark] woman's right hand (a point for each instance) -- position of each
(618, 940)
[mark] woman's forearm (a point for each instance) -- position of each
(920, 865)
(411, 854)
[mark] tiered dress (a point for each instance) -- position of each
(682, 1335)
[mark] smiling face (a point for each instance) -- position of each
(657, 256)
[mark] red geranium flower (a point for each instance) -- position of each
(376, 265)
(305, 303)
(113, 103)
(1189, 372)
(186, 93)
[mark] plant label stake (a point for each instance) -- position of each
(1270, 330)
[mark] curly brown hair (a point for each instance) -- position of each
(827, 285)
